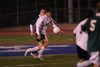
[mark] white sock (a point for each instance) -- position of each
(32, 49)
(41, 51)
(83, 64)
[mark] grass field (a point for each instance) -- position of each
(67, 60)
(27, 39)
(50, 61)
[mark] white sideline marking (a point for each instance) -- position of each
(59, 46)
(21, 48)
(40, 64)
(14, 46)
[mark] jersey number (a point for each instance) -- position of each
(92, 25)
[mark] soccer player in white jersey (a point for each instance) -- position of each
(42, 12)
(81, 41)
(41, 28)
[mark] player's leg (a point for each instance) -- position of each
(35, 49)
(33, 53)
(40, 42)
(83, 57)
(96, 65)
(42, 50)
(45, 43)
(82, 54)
(95, 58)
(30, 49)
(84, 64)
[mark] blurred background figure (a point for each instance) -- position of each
(92, 26)
(42, 12)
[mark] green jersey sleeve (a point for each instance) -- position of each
(35, 19)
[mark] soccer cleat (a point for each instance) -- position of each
(25, 54)
(34, 55)
(41, 58)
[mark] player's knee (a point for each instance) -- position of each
(46, 40)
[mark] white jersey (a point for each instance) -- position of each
(31, 26)
(42, 24)
(81, 38)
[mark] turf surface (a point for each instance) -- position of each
(27, 39)
(66, 60)
(29, 61)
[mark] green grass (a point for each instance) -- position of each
(50, 61)
(27, 39)
(67, 60)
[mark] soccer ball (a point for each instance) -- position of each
(56, 30)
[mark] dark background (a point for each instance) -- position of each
(15, 13)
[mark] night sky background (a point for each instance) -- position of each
(27, 10)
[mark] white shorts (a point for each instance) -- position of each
(95, 57)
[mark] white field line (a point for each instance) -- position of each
(26, 65)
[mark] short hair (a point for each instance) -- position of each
(42, 9)
(98, 6)
(38, 12)
(90, 13)
(48, 10)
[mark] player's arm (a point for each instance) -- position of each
(31, 29)
(34, 21)
(55, 26)
(31, 25)
(84, 27)
(77, 29)
(38, 25)
(53, 23)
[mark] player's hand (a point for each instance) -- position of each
(31, 33)
(38, 37)
(46, 40)
(61, 32)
